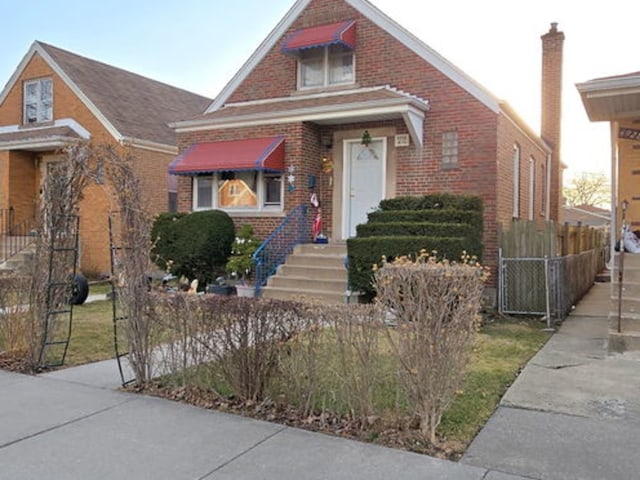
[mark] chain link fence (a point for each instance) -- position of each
(547, 286)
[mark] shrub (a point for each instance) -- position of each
(165, 236)
(368, 251)
(240, 263)
(196, 245)
(421, 229)
(441, 201)
(435, 307)
(448, 215)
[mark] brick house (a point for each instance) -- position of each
(55, 98)
(332, 74)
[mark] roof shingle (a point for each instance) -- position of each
(136, 106)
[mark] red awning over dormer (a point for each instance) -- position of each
(341, 33)
(264, 154)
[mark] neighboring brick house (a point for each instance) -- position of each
(333, 72)
(55, 98)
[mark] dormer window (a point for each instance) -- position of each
(325, 66)
(38, 100)
(325, 54)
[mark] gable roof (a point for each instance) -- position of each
(133, 108)
(383, 21)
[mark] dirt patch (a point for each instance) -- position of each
(385, 432)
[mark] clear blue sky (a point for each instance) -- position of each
(200, 44)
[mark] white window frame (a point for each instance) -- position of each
(326, 72)
(260, 191)
(516, 182)
(39, 105)
(532, 188)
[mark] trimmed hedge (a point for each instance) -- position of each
(420, 229)
(364, 252)
(197, 243)
(448, 215)
(164, 234)
(442, 201)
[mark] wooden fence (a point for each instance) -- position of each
(528, 239)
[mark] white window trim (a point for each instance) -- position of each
(516, 181)
(325, 71)
(37, 81)
(260, 191)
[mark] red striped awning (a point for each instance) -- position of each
(341, 33)
(265, 154)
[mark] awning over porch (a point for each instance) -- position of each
(341, 33)
(264, 154)
(38, 139)
(611, 98)
(360, 105)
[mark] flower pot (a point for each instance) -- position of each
(246, 290)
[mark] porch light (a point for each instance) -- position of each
(366, 138)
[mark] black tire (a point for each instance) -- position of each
(80, 290)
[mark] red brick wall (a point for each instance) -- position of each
(382, 60)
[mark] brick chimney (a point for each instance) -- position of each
(551, 111)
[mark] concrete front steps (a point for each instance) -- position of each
(19, 261)
(313, 272)
(629, 336)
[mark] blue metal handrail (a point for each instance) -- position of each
(272, 253)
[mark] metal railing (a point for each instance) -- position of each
(547, 286)
(14, 236)
(272, 253)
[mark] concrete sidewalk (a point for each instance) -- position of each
(52, 428)
(574, 412)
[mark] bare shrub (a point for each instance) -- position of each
(435, 306)
(15, 321)
(132, 235)
(55, 256)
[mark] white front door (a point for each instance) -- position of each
(364, 181)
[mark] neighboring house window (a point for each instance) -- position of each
(325, 66)
(532, 187)
(239, 191)
(449, 149)
(516, 181)
(38, 100)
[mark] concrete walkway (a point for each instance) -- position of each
(574, 413)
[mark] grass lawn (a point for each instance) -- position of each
(500, 352)
(91, 334)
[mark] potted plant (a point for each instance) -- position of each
(240, 264)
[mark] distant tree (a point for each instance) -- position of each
(588, 189)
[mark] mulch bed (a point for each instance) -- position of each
(377, 430)
(15, 362)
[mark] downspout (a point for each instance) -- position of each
(547, 193)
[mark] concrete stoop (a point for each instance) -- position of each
(313, 272)
(19, 261)
(625, 305)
